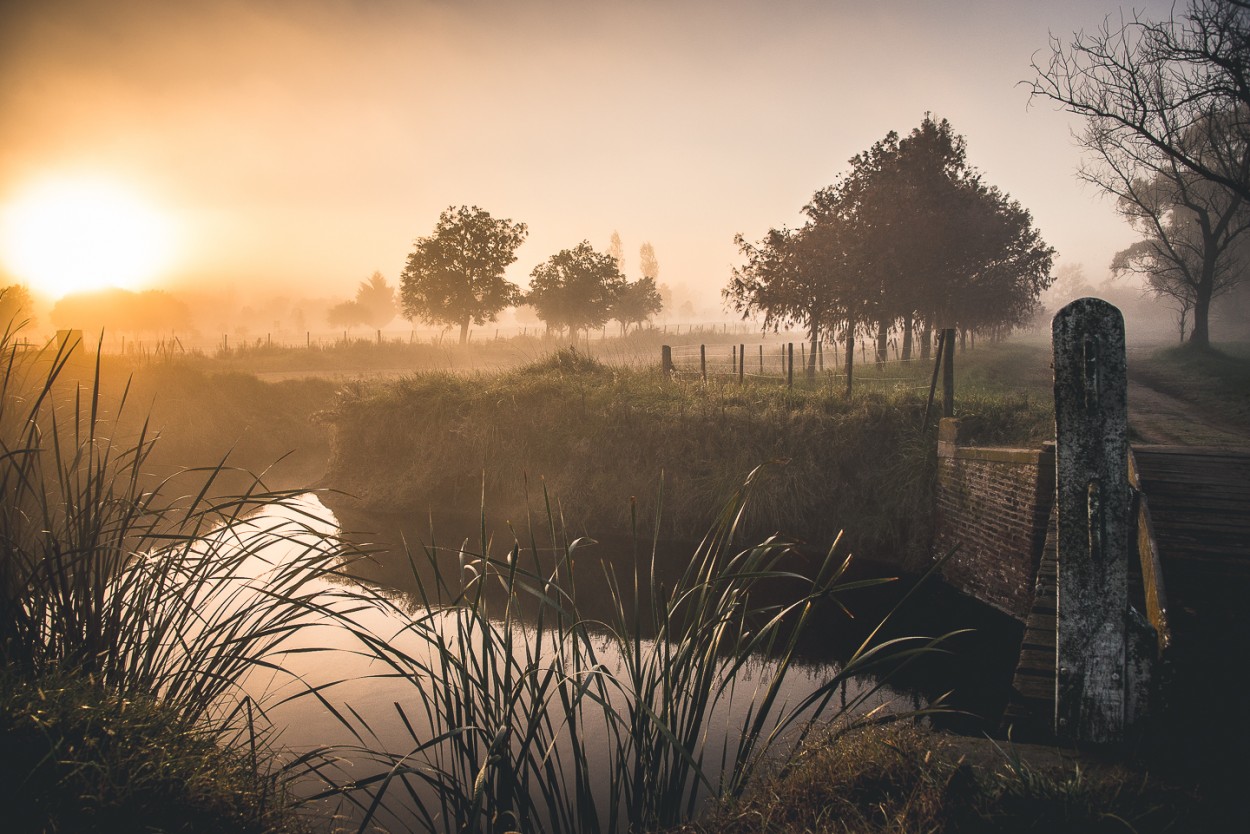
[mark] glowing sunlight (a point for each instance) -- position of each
(68, 235)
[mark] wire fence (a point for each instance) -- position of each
(790, 361)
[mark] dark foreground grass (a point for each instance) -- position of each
(904, 779)
(79, 757)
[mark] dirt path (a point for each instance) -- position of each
(1156, 417)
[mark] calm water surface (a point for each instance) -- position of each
(347, 677)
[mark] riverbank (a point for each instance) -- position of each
(616, 448)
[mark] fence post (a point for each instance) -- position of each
(733, 359)
(703, 362)
(948, 372)
(1094, 515)
(666, 360)
(790, 364)
(742, 363)
(761, 360)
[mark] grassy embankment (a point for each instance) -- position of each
(598, 436)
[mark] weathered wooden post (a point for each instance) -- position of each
(742, 363)
(703, 361)
(1094, 517)
(948, 372)
(761, 360)
(666, 360)
(790, 364)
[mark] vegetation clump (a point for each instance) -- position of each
(80, 757)
(902, 778)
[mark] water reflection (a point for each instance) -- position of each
(371, 698)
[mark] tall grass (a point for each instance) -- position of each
(143, 593)
(526, 712)
(162, 595)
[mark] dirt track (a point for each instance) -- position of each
(1156, 417)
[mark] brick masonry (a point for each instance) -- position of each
(992, 506)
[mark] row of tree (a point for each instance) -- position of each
(1167, 111)
(909, 238)
(455, 276)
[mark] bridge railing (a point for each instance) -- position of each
(1153, 588)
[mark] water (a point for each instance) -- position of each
(358, 707)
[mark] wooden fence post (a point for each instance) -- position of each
(948, 372)
(666, 360)
(790, 365)
(1094, 517)
(761, 360)
(703, 362)
(742, 363)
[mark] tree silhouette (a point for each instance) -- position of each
(16, 307)
(636, 303)
(648, 266)
(575, 288)
(1143, 86)
(455, 275)
(908, 232)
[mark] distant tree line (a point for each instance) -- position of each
(909, 240)
(455, 277)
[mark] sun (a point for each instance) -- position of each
(68, 235)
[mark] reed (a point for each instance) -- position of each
(527, 713)
(144, 594)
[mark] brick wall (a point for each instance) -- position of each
(992, 505)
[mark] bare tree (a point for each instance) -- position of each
(1145, 88)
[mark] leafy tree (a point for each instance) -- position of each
(1143, 86)
(647, 263)
(909, 231)
(636, 303)
(799, 276)
(16, 307)
(575, 288)
(455, 275)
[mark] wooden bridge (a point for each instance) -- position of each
(1194, 522)
(1144, 564)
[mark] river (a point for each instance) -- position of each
(362, 703)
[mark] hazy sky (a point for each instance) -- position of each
(308, 143)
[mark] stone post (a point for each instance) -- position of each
(1094, 520)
